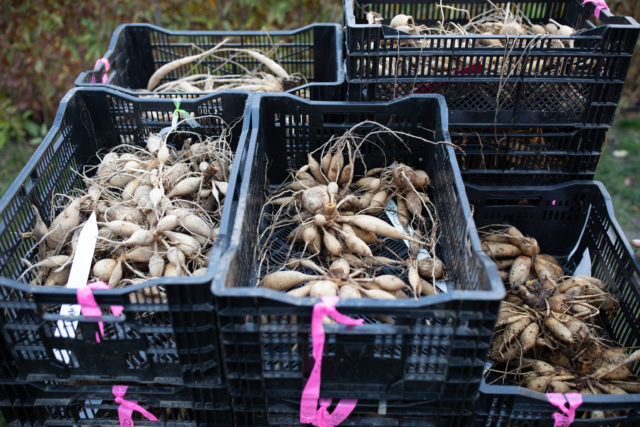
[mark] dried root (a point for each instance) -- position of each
(546, 338)
(158, 211)
(274, 78)
(501, 26)
(334, 214)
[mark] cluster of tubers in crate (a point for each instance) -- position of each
(549, 336)
(493, 24)
(337, 237)
(497, 21)
(198, 78)
(158, 210)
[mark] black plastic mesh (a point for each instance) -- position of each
(494, 155)
(436, 345)
(286, 412)
(57, 404)
(534, 103)
(136, 51)
(170, 339)
(556, 216)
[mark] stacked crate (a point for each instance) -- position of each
(425, 366)
(575, 223)
(165, 349)
(312, 53)
(219, 351)
(526, 112)
(530, 136)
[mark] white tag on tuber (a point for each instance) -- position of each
(78, 276)
(392, 213)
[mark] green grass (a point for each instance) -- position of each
(621, 175)
(13, 157)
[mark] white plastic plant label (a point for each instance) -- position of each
(78, 276)
(391, 210)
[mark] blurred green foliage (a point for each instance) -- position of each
(18, 126)
(618, 169)
(47, 43)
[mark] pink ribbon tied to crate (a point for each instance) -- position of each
(600, 5)
(126, 407)
(309, 411)
(107, 66)
(89, 306)
(569, 413)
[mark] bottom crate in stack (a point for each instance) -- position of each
(84, 404)
(286, 412)
(505, 101)
(166, 332)
(575, 223)
(421, 358)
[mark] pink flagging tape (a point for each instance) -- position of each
(600, 5)
(126, 407)
(569, 414)
(309, 411)
(89, 306)
(107, 66)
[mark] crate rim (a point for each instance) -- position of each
(554, 187)
(449, 78)
(341, 73)
(484, 126)
(48, 140)
(605, 15)
(496, 291)
(517, 391)
(513, 390)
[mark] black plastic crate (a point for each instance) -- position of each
(520, 103)
(523, 155)
(585, 87)
(57, 404)
(434, 352)
(136, 51)
(286, 412)
(172, 341)
(568, 220)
